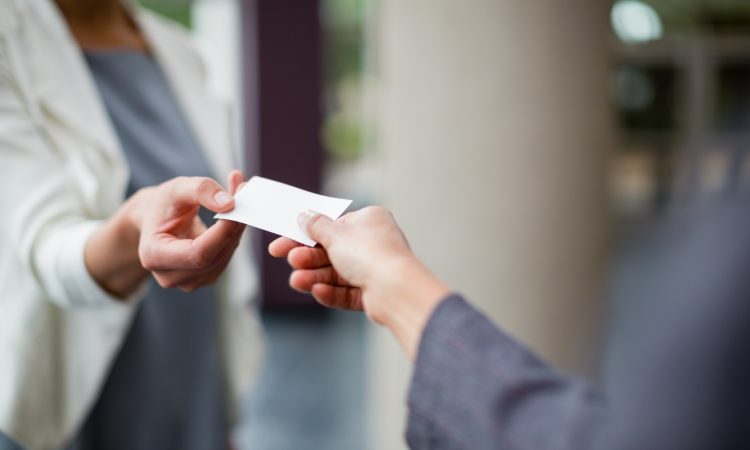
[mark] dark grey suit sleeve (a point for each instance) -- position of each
(676, 368)
(476, 388)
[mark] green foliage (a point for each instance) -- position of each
(343, 23)
(177, 10)
(344, 12)
(342, 136)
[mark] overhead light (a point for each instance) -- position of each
(635, 22)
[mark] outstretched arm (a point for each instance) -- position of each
(364, 263)
(473, 386)
(78, 258)
(677, 380)
(158, 230)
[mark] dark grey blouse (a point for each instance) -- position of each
(165, 389)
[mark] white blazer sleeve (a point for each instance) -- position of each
(47, 224)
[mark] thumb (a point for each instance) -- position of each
(319, 227)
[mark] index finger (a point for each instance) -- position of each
(200, 191)
(281, 247)
(308, 258)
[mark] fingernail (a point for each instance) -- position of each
(304, 217)
(223, 198)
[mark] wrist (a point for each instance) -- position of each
(126, 227)
(130, 216)
(407, 294)
(111, 255)
(389, 272)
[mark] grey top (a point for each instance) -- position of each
(165, 389)
(677, 374)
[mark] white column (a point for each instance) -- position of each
(493, 136)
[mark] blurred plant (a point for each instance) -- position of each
(343, 130)
(177, 10)
(343, 134)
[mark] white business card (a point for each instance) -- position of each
(274, 207)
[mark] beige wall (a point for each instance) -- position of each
(493, 133)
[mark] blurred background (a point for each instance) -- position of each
(525, 147)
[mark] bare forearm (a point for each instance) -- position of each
(412, 293)
(112, 255)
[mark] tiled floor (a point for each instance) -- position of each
(310, 395)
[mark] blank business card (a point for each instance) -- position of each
(274, 207)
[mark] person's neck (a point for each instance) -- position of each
(101, 24)
(91, 13)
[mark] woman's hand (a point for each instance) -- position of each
(175, 245)
(364, 263)
(158, 230)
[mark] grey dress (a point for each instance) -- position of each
(165, 389)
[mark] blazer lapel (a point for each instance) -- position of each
(63, 85)
(67, 91)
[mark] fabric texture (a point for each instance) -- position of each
(65, 172)
(676, 369)
(165, 389)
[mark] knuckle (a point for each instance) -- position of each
(146, 261)
(312, 224)
(376, 211)
(228, 234)
(314, 219)
(174, 182)
(319, 256)
(199, 258)
(204, 184)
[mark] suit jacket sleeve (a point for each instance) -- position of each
(474, 387)
(676, 370)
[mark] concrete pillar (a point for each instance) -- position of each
(494, 131)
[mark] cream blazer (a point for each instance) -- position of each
(62, 173)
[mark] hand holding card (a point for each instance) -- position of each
(275, 207)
